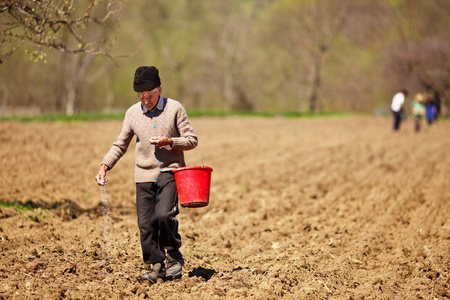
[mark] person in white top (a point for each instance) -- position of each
(397, 107)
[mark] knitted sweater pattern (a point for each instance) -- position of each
(168, 119)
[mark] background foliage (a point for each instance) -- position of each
(262, 55)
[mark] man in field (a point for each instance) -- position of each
(397, 108)
(163, 132)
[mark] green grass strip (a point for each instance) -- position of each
(99, 116)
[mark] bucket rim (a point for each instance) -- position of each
(193, 168)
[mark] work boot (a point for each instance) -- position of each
(158, 271)
(174, 262)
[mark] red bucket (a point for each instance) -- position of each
(193, 184)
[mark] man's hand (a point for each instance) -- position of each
(161, 141)
(101, 175)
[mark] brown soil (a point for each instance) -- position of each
(300, 209)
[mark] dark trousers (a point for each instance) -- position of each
(157, 206)
(397, 120)
(417, 124)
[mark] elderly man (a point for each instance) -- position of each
(163, 132)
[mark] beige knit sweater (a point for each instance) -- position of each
(167, 119)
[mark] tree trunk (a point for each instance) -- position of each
(316, 79)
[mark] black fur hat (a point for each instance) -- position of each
(146, 79)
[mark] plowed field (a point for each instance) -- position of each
(300, 209)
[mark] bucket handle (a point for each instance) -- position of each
(201, 157)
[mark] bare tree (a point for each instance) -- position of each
(426, 65)
(307, 31)
(325, 25)
(420, 57)
(42, 24)
(233, 43)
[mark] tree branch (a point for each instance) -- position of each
(46, 24)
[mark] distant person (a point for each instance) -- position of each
(163, 132)
(431, 110)
(397, 107)
(418, 110)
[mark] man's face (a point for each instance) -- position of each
(149, 99)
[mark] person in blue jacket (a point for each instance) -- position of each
(431, 111)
